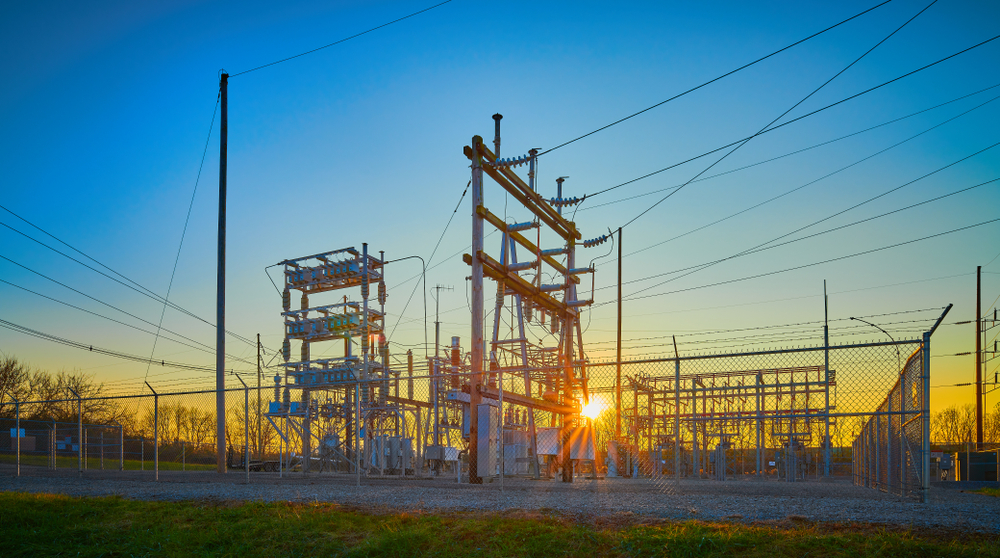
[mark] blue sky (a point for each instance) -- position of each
(107, 105)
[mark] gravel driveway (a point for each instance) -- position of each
(740, 500)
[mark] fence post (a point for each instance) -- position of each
(79, 431)
(102, 449)
(246, 425)
(121, 448)
(17, 432)
(902, 433)
(142, 453)
(156, 432)
(925, 412)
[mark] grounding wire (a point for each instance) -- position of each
(782, 115)
(431, 257)
(796, 152)
(341, 40)
(731, 72)
(187, 219)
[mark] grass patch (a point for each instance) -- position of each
(110, 463)
(48, 525)
(995, 492)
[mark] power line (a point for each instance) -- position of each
(203, 348)
(765, 246)
(113, 307)
(827, 218)
(95, 349)
(782, 115)
(341, 40)
(137, 287)
(727, 74)
(796, 152)
(807, 115)
(873, 250)
(810, 183)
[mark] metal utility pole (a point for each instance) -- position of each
(826, 377)
(618, 366)
(979, 360)
(437, 318)
(260, 433)
(220, 318)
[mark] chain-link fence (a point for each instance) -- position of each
(786, 415)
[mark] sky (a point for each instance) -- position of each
(109, 107)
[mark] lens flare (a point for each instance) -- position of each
(593, 409)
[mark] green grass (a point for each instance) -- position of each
(987, 491)
(47, 525)
(110, 463)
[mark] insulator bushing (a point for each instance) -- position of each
(305, 301)
(286, 300)
(286, 349)
(305, 352)
(381, 293)
(364, 285)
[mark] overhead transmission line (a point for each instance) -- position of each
(203, 347)
(839, 258)
(345, 39)
(798, 118)
(789, 154)
(810, 183)
(782, 115)
(711, 81)
(135, 286)
(99, 301)
(95, 349)
(760, 247)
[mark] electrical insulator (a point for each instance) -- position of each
(364, 285)
(305, 301)
(563, 202)
(595, 241)
(286, 300)
(277, 388)
(286, 399)
(286, 350)
(527, 310)
(381, 293)
(305, 352)
(555, 325)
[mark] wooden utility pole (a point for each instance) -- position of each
(220, 318)
(618, 372)
(476, 376)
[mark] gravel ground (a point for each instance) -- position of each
(949, 507)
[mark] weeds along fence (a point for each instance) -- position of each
(789, 415)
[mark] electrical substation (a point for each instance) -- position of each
(520, 398)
